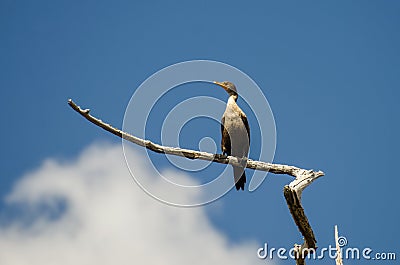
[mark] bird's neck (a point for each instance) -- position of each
(232, 103)
(232, 99)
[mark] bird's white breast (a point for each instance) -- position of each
(236, 128)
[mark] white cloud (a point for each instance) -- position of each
(108, 219)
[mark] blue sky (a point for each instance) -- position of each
(330, 71)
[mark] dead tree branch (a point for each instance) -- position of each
(292, 192)
(339, 259)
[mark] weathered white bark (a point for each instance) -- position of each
(339, 260)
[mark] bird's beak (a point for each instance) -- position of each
(221, 85)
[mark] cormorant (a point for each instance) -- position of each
(235, 132)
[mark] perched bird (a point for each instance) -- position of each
(235, 132)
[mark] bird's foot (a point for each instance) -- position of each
(220, 156)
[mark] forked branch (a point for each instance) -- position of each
(292, 192)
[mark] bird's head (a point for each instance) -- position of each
(229, 87)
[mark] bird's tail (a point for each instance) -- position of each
(240, 177)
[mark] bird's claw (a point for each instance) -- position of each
(220, 156)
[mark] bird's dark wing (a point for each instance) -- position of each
(225, 140)
(246, 124)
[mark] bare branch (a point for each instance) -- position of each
(192, 154)
(292, 192)
(339, 260)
